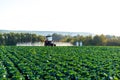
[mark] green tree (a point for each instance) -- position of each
(40, 38)
(103, 40)
(88, 40)
(11, 39)
(57, 37)
(2, 39)
(99, 40)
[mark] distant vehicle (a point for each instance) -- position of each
(49, 41)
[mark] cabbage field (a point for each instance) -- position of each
(59, 63)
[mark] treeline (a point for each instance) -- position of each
(97, 40)
(14, 38)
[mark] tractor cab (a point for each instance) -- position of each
(49, 41)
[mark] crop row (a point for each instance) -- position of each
(59, 63)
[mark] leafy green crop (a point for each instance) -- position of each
(59, 63)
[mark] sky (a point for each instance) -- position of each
(94, 16)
